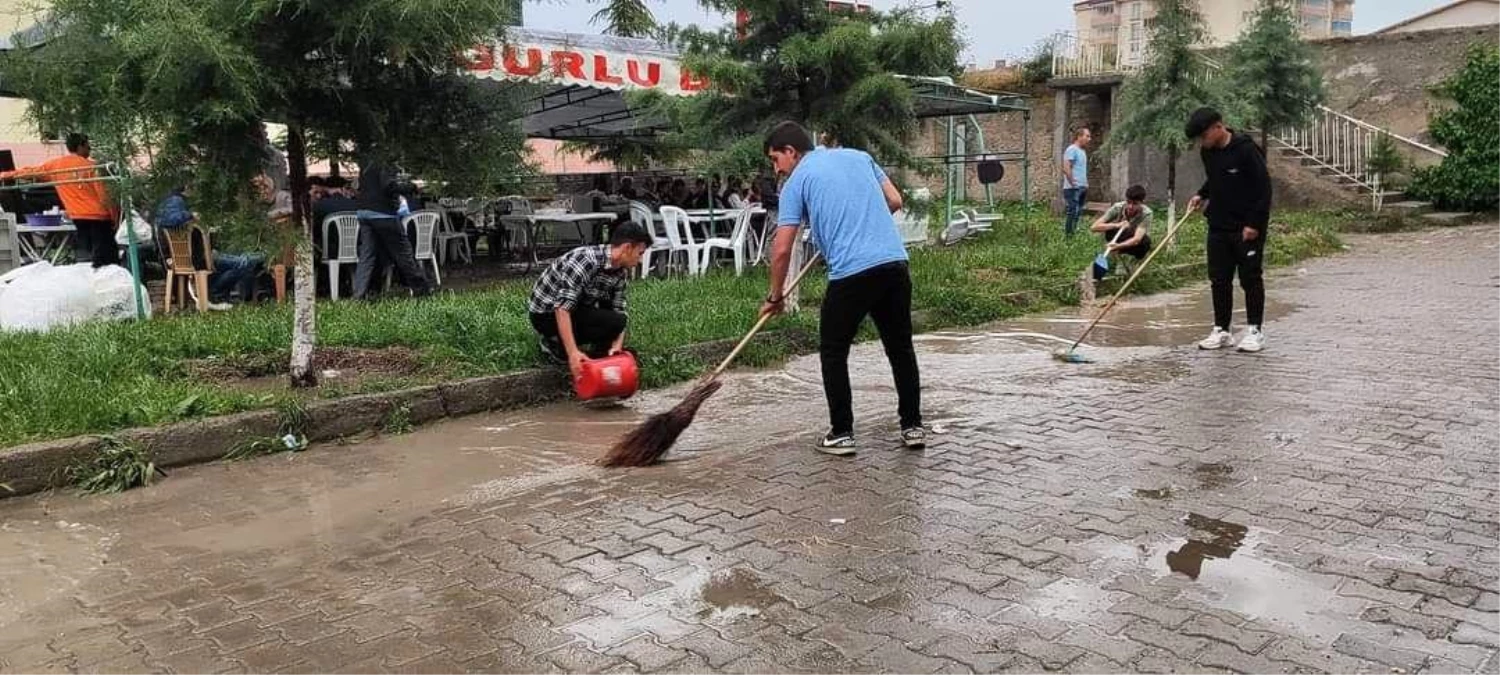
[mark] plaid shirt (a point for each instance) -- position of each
(584, 277)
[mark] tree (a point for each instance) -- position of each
(626, 18)
(1273, 71)
(1157, 101)
(834, 71)
(191, 84)
(1469, 177)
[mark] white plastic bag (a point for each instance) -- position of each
(143, 232)
(41, 296)
(46, 295)
(114, 294)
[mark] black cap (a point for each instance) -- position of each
(1201, 120)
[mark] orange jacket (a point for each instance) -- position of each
(82, 201)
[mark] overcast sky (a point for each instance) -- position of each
(994, 29)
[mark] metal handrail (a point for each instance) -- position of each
(1370, 127)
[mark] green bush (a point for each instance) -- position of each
(1469, 178)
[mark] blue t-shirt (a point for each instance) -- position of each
(1080, 161)
(838, 191)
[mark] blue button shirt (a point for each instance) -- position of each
(838, 192)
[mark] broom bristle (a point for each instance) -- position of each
(653, 438)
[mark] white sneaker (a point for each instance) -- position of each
(1218, 339)
(1253, 341)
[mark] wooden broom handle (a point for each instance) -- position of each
(762, 322)
(1126, 286)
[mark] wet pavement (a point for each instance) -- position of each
(1328, 505)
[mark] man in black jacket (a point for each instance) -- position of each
(1237, 202)
(382, 239)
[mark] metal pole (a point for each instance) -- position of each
(948, 176)
(1026, 161)
(989, 191)
(133, 255)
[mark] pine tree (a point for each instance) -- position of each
(1156, 102)
(835, 72)
(1273, 71)
(626, 18)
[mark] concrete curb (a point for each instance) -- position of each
(35, 467)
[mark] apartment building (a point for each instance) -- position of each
(1125, 25)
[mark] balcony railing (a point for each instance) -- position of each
(1074, 58)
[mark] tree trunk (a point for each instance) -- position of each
(304, 313)
(1172, 191)
(1264, 138)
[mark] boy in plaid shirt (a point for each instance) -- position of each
(578, 305)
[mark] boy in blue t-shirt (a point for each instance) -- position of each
(848, 201)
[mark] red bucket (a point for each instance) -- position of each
(610, 377)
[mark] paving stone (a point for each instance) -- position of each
(716, 651)
(648, 654)
(1361, 648)
(893, 657)
(1433, 627)
(1370, 478)
(1244, 639)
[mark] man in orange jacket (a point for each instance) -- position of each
(88, 204)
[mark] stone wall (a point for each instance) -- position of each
(1003, 132)
(1383, 79)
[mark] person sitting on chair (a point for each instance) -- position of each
(1135, 217)
(231, 270)
(578, 304)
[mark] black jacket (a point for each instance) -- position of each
(379, 188)
(1238, 189)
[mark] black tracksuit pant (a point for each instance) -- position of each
(1228, 253)
(884, 294)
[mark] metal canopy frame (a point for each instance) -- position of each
(942, 98)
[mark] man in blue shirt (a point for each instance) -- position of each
(1076, 178)
(232, 271)
(847, 200)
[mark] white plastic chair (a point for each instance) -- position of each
(449, 238)
(679, 229)
(982, 222)
(735, 243)
(426, 224)
(347, 227)
(640, 214)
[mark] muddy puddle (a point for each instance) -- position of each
(1216, 563)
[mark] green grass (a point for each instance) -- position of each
(104, 377)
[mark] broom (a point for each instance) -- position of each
(651, 439)
(1071, 355)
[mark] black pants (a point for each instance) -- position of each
(383, 241)
(595, 329)
(95, 242)
(1228, 252)
(883, 293)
